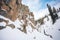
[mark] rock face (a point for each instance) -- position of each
(14, 10)
(26, 16)
(2, 20)
(18, 10)
(11, 25)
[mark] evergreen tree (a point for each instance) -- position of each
(55, 13)
(54, 10)
(59, 9)
(51, 13)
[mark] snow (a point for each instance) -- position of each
(15, 34)
(9, 34)
(2, 23)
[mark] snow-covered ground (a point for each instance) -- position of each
(15, 34)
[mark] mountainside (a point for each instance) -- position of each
(18, 23)
(18, 11)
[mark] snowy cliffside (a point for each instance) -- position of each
(24, 27)
(15, 34)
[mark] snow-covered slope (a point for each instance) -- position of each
(15, 34)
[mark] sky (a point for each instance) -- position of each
(38, 7)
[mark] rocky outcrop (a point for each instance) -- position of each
(26, 16)
(14, 10)
(2, 27)
(11, 25)
(18, 10)
(3, 20)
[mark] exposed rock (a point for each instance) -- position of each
(13, 12)
(47, 34)
(24, 29)
(3, 20)
(58, 29)
(11, 25)
(34, 37)
(31, 17)
(18, 10)
(2, 27)
(41, 20)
